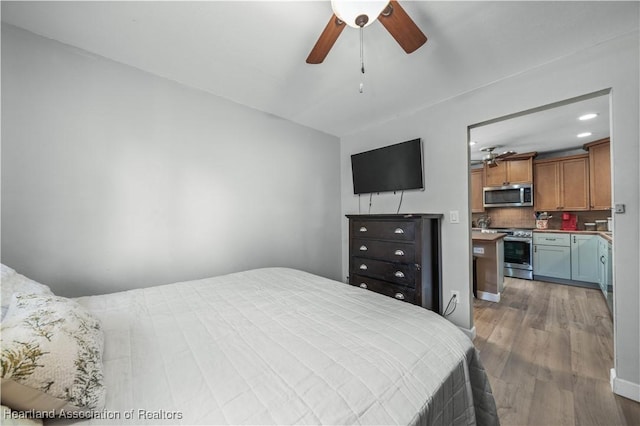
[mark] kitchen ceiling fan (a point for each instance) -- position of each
(491, 158)
(359, 14)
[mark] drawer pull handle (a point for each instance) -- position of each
(399, 253)
(363, 267)
(399, 231)
(363, 229)
(363, 285)
(550, 239)
(363, 248)
(399, 296)
(399, 274)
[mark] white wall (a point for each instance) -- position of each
(443, 129)
(113, 178)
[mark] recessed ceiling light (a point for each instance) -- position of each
(587, 116)
(471, 143)
(583, 135)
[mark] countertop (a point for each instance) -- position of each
(487, 236)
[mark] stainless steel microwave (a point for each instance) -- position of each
(508, 196)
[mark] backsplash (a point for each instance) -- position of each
(523, 217)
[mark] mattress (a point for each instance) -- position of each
(281, 346)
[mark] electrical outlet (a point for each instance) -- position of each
(456, 293)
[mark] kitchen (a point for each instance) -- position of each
(541, 198)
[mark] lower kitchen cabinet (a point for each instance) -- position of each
(605, 271)
(566, 256)
(584, 258)
(552, 261)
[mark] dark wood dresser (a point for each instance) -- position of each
(398, 256)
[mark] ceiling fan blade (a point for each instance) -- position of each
(401, 27)
(326, 40)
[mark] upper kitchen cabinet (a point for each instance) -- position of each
(562, 184)
(516, 169)
(477, 183)
(599, 174)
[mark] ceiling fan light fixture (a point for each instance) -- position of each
(358, 14)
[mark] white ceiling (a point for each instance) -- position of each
(546, 130)
(254, 52)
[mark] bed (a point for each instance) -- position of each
(281, 346)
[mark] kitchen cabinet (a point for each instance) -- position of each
(584, 258)
(566, 256)
(604, 265)
(599, 174)
(488, 249)
(477, 183)
(552, 255)
(562, 184)
(510, 172)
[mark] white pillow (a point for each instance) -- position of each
(51, 355)
(11, 282)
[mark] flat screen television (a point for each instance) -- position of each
(391, 168)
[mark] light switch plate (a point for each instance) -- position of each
(454, 216)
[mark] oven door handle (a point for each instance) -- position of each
(520, 239)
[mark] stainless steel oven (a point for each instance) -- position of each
(518, 254)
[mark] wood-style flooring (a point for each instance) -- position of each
(548, 351)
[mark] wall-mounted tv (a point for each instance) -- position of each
(391, 168)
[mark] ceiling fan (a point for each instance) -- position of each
(359, 14)
(490, 158)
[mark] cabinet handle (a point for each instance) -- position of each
(399, 296)
(363, 229)
(363, 267)
(574, 239)
(550, 239)
(399, 253)
(399, 231)
(602, 259)
(399, 274)
(363, 285)
(535, 249)
(363, 248)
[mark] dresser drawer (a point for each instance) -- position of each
(388, 271)
(385, 250)
(388, 289)
(384, 230)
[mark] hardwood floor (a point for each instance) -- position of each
(548, 350)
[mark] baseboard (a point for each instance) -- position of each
(624, 387)
(471, 334)
(491, 297)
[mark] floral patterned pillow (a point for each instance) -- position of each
(51, 355)
(11, 282)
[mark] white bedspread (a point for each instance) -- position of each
(280, 346)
